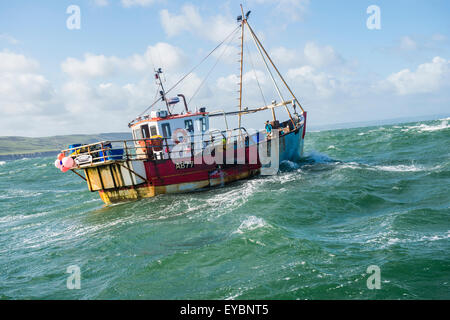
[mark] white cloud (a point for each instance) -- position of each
(429, 77)
(308, 80)
(285, 56)
(163, 54)
(411, 45)
(312, 54)
(92, 66)
(12, 62)
(321, 56)
(24, 93)
(230, 82)
(8, 38)
(228, 54)
(438, 37)
(406, 43)
(99, 66)
(82, 97)
(311, 71)
(214, 28)
(140, 3)
(22, 90)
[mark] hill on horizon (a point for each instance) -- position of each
(11, 145)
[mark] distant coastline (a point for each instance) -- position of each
(10, 157)
(13, 147)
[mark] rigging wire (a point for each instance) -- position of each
(192, 70)
(254, 72)
(225, 49)
(267, 67)
(154, 68)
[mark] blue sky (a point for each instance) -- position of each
(98, 78)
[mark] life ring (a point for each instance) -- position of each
(175, 135)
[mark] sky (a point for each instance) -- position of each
(59, 77)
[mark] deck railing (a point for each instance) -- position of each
(154, 148)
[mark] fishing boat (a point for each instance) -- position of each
(173, 149)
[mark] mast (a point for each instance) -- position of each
(242, 64)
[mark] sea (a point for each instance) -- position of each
(365, 215)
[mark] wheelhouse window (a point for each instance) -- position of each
(166, 130)
(203, 122)
(137, 133)
(189, 125)
(153, 131)
(145, 131)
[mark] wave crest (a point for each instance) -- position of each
(251, 223)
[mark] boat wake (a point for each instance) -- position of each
(311, 158)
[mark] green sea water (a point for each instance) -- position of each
(363, 196)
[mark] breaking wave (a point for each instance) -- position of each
(251, 223)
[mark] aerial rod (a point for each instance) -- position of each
(190, 72)
(162, 92)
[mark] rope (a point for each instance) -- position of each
(192, 70)
(208, 74)
(256, 77)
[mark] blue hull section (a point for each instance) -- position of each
(291, 146)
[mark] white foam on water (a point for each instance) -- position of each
(256, 242)
(390, 237)
(400, 168)
(234, 198)
(210, 205)
(290, 164)
(393, 241)
(251, 223)
(435, 237)
(319, 157)
(351, 165)
(234, 296)
(389, 168)
(13, 193)
(40, 165)
(429, 128)
(285, 178)
(19, 217)
(2, 163)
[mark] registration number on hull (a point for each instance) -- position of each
(184, 165)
